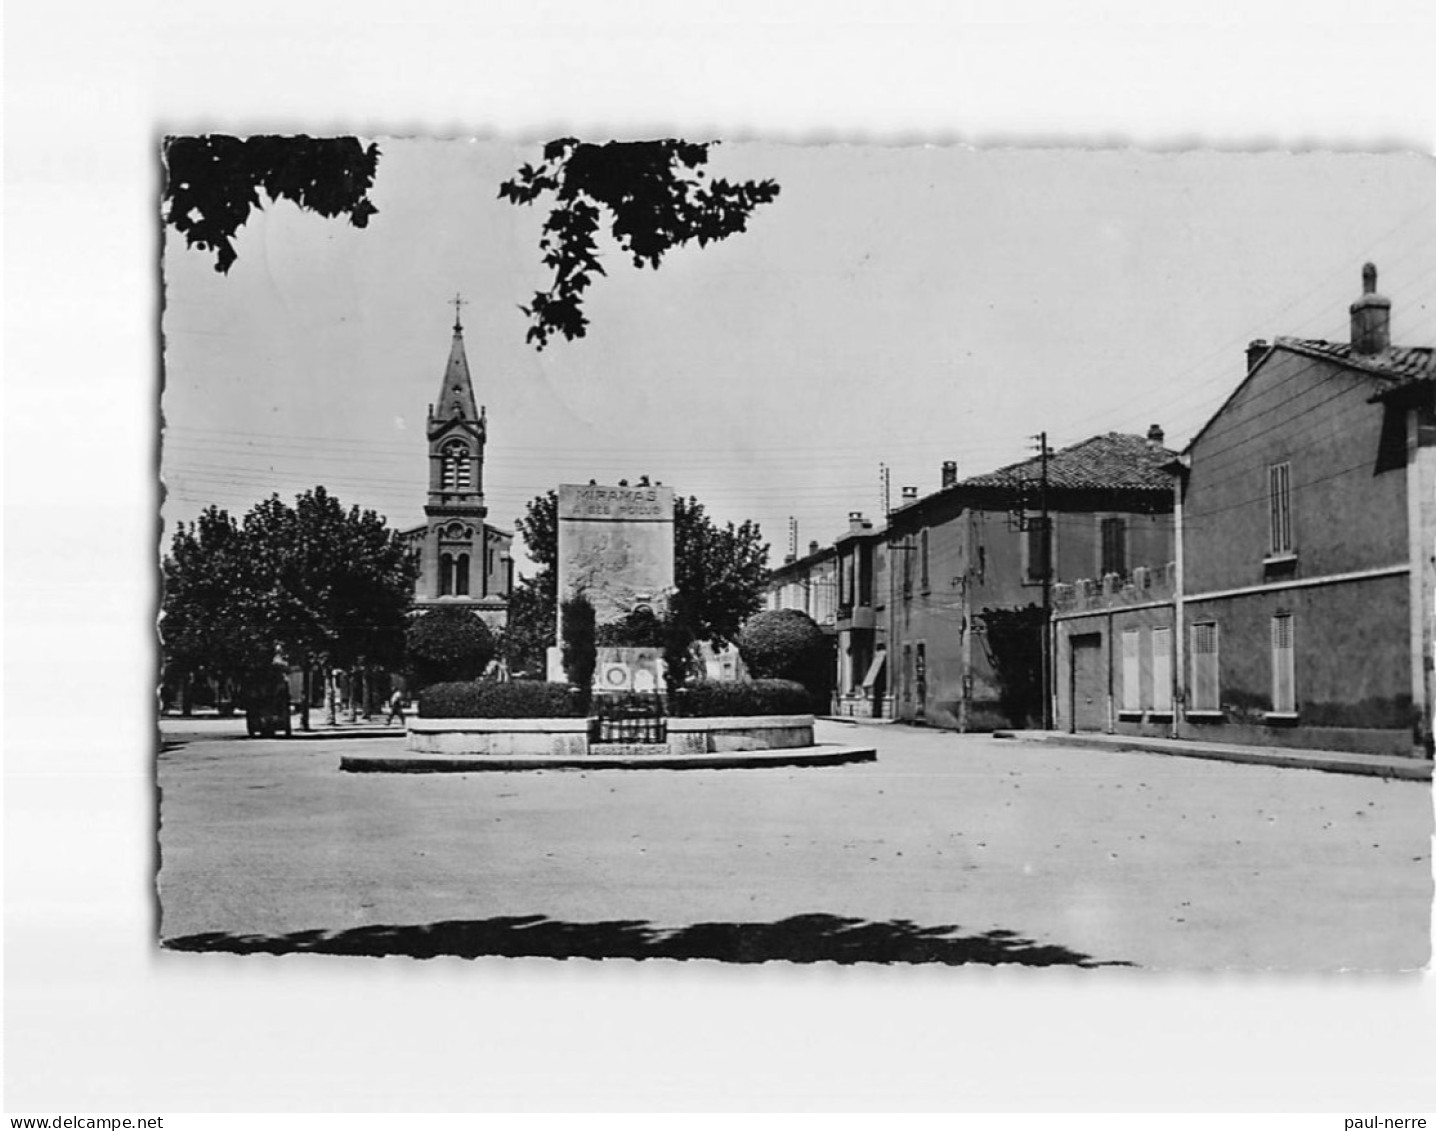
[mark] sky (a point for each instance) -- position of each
(896, 305)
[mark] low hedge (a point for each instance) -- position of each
(711, 698)
(490, 699)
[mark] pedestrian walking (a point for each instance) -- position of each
(396, 708)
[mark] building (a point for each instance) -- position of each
(808, 584)
(1304, 583)
(975, 565)
(463, 561)
(860, 620)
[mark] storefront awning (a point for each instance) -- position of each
(875, 669)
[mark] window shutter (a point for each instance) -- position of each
(1205, 689)
(1132, 670)
(1283, 665)
(1161, 670)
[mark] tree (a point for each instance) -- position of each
(652, 191)
(655, 198)
(719, 572)
(530, 629)
(208, 629)
(212, 183)
(580, 645)
(1013, 640)
(448, 644)
(315, 583)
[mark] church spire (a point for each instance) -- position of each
(456, 394)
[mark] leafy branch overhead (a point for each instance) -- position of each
(212, 183)
(657, 197)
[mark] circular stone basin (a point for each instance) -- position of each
(569, 737)
(466, 745)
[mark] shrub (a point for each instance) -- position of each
(639, 629)
(788, 644)
(448, 644)
(580, 645)
(487, 699)
(711, 698)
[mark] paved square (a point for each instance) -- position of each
(949, 848)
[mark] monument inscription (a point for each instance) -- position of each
(615, 544)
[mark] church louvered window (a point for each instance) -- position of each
(457, 472)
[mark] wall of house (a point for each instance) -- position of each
(1351, 659)
(1347, 513)
(1097, 615)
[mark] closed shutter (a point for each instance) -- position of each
(1131, 670)
(1162, 670)
(1206, 692)
(1283, 665)
(1279, 495)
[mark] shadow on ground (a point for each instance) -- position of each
(802, 938)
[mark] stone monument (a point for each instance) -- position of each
(615, 545)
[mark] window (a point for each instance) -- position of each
(907, 568)
(1038, 548)
(456, 473)
(1161, 643)
(925, 584)
(1279, 508)
(1132, 671)
(1283, 666)
(461, 575)
(1206, 690)
(446, 575)
(1114, 547)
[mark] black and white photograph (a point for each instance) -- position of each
(1027, 551)
(780, 559)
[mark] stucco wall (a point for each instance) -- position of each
(1352, 662)
(1345, 514)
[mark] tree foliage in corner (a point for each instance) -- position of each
(212, 183)
(656, 198)
(654, 193)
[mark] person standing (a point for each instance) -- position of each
(396, 708)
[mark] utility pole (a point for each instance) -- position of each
(1046, 520)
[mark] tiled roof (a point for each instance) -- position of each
(1112, 460)
(1399, 363)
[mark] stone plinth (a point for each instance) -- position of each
(615, 544)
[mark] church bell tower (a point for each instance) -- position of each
(464, 560)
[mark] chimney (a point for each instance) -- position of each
(813, 547)
(909, 494)
(949, 473)
(1370, 317)
(857, 524)
(1155, 436)
(1256, 350)
(789, 559)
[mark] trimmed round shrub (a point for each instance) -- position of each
(489, 699)
(712, 698)
(783, 644)
(448, 644)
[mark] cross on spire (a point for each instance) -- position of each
(458, 302)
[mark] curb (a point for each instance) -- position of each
(1329, 761)
(482, 763)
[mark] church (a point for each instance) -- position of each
(463, 561)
